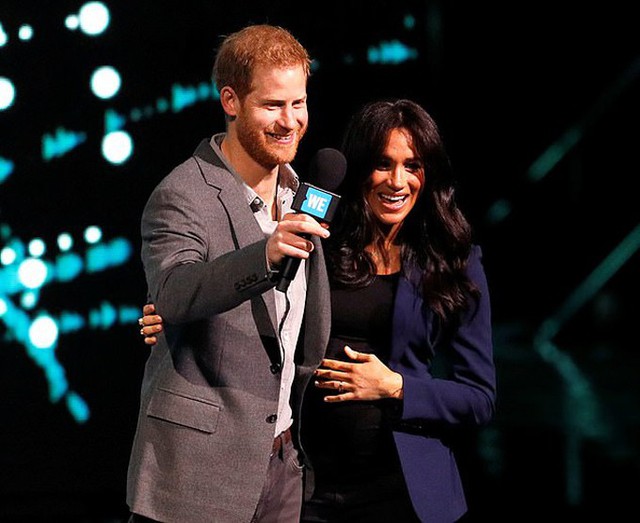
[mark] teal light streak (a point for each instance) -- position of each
(591, 285)
(392, 52)
(181, 97)
(186, 96)
(113, 121)
(104, 317)
(6, 168)
(18, 320)
(70, 322)
(78, 407)
(554, 154)
(559, 150)
(128, 315)
(582, 409)
(68, 266)
(103, 256)
(60, 143)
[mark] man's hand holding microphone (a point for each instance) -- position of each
(315, 205)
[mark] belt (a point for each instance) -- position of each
(281, 439)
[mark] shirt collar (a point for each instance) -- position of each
(288, 183)
(288, 180)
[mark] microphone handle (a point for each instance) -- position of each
(289, 269)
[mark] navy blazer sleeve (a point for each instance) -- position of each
(465, 392)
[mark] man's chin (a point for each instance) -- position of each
(285, 155)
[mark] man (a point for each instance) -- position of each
(222, 387)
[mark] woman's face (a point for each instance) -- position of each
(396, 182)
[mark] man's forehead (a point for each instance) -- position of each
(284, 80)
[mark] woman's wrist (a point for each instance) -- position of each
(396, 386)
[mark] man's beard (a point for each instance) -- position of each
(264, 151)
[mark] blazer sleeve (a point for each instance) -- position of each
(192, 266)
(466, 393)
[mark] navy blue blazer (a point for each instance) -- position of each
(449, 382)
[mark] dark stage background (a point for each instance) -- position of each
(538, 104)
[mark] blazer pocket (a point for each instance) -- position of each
(187, 411)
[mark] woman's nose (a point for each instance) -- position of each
(397, 178)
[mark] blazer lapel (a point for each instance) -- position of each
(244, 228)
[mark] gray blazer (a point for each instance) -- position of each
(209, 394)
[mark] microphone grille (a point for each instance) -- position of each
(327, 169)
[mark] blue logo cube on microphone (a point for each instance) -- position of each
(315, 202)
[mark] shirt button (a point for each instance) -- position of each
(272, 418)
(275, 368)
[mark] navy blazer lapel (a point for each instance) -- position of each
(412, 319)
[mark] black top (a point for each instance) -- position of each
(351, 441)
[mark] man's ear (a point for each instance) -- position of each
(229, 101)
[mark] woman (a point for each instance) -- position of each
(410, 361)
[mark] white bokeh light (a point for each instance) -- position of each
(25, 32)
(7, 93)
(117, 147)
(29, 299)
(36, 247)
(105, 82)
(94, 18)
(3, 36)
(65, 241)
(72, 22)
(7, 256)
(92, 234)
(43, 332)
(32, 273)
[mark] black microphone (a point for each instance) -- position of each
(316, 198)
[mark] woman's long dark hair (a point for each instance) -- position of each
(435, 236)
